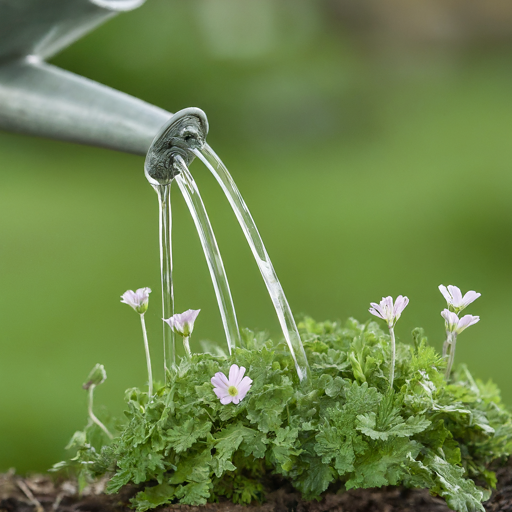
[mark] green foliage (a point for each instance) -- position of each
(344, 425)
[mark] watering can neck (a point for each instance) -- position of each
(43, 100)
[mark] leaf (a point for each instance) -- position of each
(360, 399)
(239, 489)
(120, 479)
(152, 497)
(357, 369)
(315, 479)
(383, 463)
(182, 437)
(228, 440)
(460, 493)
(366, 423)
(265, 408)
(226, 443)
(331, 445)
(220, 466)
(194, 493)
(78, 440)
(195, 468)
(332, 359)
(334, 388)
(418, 337)
(283, 449)
(254, 443)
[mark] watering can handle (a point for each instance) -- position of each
(43, 100)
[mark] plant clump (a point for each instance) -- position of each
(345, 428)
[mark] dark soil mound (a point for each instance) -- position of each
(41, 494)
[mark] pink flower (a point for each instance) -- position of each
(454, 297)
(183, 323)
(456, 325)
(387, 311)
(233, 389)
(138, 300)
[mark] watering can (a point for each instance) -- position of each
(39, 99)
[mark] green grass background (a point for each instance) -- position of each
(368, 171)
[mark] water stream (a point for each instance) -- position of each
(167, 159)
(196, 207)
(165, 235)
(275, 290)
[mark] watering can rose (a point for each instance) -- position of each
(233, 389)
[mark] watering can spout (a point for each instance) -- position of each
(43, 100)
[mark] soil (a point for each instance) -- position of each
(41, 494)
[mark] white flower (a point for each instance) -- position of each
(138, 299)
(387, 311)
(456, 325)
(233, 389)
(454, 297)
(183, 323)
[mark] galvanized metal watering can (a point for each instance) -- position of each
(40, 99)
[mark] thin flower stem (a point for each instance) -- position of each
(392, 369)
(452, 356)
(446, 345)
(148, 358)
(93, 417)
(187, 346)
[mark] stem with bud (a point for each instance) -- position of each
(93, 417)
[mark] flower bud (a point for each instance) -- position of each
(97, 376)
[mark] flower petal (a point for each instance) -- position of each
(445, 293)
(466, 321)
(233, 374)
(376, 311)
(226, 400)
(470, 297)
(220, 380)
(244, 386)
(240, 376)
(456, 295)
(221, 392)
(451, 318)
(400, 304)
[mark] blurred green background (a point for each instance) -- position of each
(371, 140)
